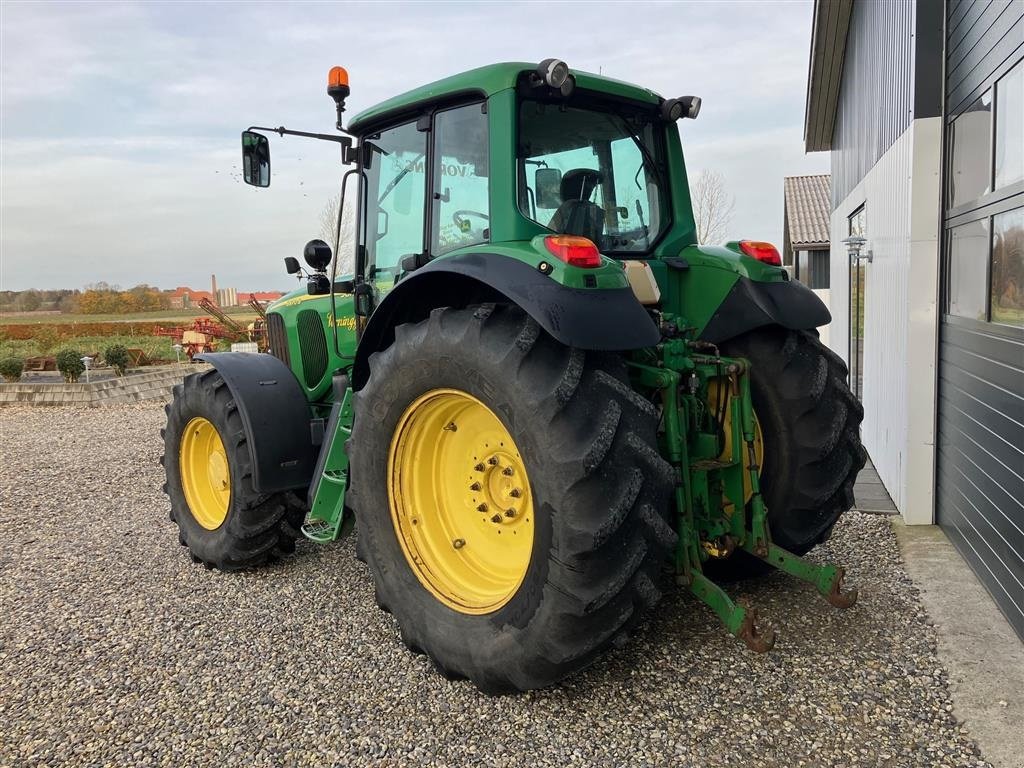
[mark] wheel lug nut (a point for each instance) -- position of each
(510, 512)
(515, 493)
(475, 487)
(459, 543)
(450, 427)
(482, 508)
(496, 519)
(480, 467)
(507, 471)
(493, 461)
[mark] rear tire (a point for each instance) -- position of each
(256, 528)
(812, 451)
(598, 486)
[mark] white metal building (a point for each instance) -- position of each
(921, 104)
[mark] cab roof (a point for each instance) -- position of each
(486, 81)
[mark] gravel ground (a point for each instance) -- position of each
(115, 649)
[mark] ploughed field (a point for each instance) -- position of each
(115, 649)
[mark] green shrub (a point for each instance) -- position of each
(69, 362)
(117, 358)
(11, 368)
(46, 338)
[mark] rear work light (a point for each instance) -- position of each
(573, 250)
(765, 252)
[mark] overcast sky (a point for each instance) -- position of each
(120, 122)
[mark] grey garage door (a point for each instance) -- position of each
(980, 438)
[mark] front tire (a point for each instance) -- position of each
(595, 488)
(221, 518)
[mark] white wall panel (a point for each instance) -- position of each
(885, 194)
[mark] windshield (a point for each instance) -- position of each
(594, 172)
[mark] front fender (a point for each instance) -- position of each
(275, 415)
(606, 319)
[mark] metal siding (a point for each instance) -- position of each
(980, 18)
(980, 468)
(980, 423)
(1002, 44)
(875, 96)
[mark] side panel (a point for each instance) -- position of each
(304, 338)
(276, 417)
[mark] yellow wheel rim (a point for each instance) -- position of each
(205, 475)
(715, 392)
(460, 501)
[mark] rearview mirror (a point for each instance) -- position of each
(291, 265)
(255, 159)
(548, 184)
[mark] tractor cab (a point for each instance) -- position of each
(509, 154)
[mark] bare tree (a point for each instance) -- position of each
(329, 232)
(712, 206)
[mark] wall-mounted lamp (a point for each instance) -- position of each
(854, 246)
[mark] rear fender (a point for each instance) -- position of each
(607, 319)
(750, 304)
(275, 415)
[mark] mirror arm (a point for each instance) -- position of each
(282, 131)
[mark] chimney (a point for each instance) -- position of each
(213, 282)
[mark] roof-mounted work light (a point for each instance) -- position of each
(554, 73)
(684, 106)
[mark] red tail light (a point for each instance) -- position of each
(577, 251)
(765, 252)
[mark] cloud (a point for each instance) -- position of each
(120, 121)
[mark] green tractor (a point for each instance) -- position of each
(535, 392)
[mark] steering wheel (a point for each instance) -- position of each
(461, 222)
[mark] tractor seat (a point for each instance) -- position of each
(577, 215)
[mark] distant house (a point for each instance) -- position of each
(805, 234)
(264, 297)
(921, 105)
(184, 297)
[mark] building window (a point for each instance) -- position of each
(1007, 295)
(984, 259)
(970, 144)
(986, 269)
(1010, 127)
(968, 270)
(858, 223)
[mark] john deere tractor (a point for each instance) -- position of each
(536, 395)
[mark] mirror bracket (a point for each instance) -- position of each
(317, 284)
(362, 295)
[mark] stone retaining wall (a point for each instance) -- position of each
(155, 384)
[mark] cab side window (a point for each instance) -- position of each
(396, 199)
(460, 207)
